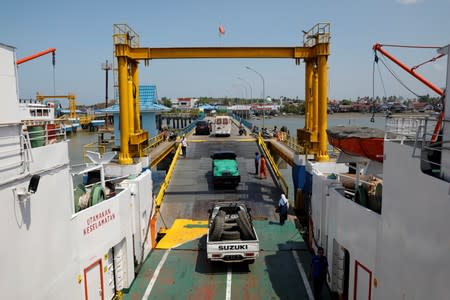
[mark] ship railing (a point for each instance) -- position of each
(165, 184)
(16, 153)
(125, 35)
(292, 143)
(8, 151)
(407, 128)
(429, 146)
(156, 141)
(42, 135)
(283, 184)
(318, 34)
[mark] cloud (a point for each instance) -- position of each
(407, 2)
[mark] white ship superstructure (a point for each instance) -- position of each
(393, 245)
(57, 243)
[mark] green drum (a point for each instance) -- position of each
(37, 136)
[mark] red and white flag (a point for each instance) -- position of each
(221, 30)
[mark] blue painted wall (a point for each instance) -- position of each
(148, 124)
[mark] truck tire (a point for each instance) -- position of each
(216, 231)
(245, 220)
(244, 217)
(231, 218)
(245, 230)
(230, 226)
(231, 236)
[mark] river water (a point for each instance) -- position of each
(76, 141)
(347, 119)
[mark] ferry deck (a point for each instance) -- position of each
(178, 268)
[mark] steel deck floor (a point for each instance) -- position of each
(186, 273)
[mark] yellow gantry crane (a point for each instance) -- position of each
(314, 52)
(70, 97)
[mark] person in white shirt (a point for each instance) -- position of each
(283, 206)
(183, 146)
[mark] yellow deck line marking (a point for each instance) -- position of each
(303, 274)
(155, 275)
(182, 231)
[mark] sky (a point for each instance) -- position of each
(81, 31)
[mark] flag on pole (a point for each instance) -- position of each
(221, 30)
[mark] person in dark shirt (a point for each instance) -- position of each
(256, 162)
(318, 272)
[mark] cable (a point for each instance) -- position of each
(411, 46)
(162, 218)
(54, 71)
(375, 61)
(382, 82)
(430, 60)
(372, 119)
(398, 79)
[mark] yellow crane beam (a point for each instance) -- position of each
(125, 50)
(314, 52)
(70, 97)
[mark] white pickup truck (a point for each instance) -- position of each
(231, 236)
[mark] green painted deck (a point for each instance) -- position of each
(186, 274)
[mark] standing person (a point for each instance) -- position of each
(318, 270)
(283, 206)
(262, 168)
(184, 145)
(256, 162)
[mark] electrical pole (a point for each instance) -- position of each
(106, 67)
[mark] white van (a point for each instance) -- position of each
(222, 125)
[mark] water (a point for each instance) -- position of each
(76, 143)
(348, 119)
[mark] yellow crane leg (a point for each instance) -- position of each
(315, 105)
(137, 111)
(308, 94)
(72, 108)
(124, 156)
(323, 107)
(130, 105)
